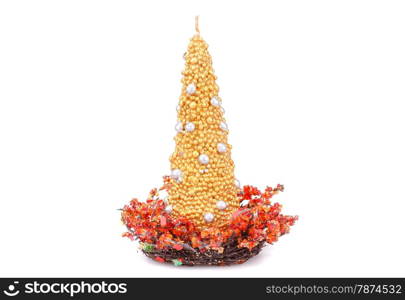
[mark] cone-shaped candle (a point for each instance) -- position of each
(206, 218)
(203, 178)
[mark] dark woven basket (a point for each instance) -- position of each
(231, 255)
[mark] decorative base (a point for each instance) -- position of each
(176, 240)
(232, 254)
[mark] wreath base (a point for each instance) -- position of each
(232, 254)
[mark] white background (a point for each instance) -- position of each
(314, 97)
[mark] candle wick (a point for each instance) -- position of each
(197, 28)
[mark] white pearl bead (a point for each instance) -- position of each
(169, 209)
(244, 203)
(190, 126)
(221, 148)
(221, 205)
(208, 217)
(223, 126)
(176, 174)
(163, 194)
(204, 159)
(237, 183)
(179, 127)
(215, 101)
(191, 89)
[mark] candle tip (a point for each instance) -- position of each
(197, 28)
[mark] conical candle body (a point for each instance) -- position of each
(203, 182)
